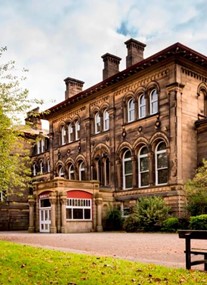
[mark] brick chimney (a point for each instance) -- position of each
(135, 52)
(73, 87)
(111, 65)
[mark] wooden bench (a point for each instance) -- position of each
(188, 235)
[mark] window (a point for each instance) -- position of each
(105, 120)
(78, 209)
(127, 170)
(48, 165)
(142, 106)
(77, 130)
(63, 135)
(131, 110)
(39, 147)
(153, 102)
(34, 169)
(97, 123)
(71, 172)
(41, 167)
(70, 133)
(161, 164)
(42, 145)
(143, 167)
(2, 196)
(81, 171)
(61, 171)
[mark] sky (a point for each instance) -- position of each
(66, 38)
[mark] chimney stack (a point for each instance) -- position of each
(111, 65)
(135, 52)
(73, 87)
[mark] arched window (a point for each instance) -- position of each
(41, 167)
(142, 106)
(153, 102)
(102, 169)
(60, 171)
(63, 135)
(143, 167)
(70, 133)
(42, 145)
(97, 122)
(38, 147)
(34, 169)
(77, 130)
(81, 171)
(127, 170)
(131, 110)
(105, 120)
(71, 172)
(161, 164)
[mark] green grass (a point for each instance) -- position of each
(21, 264)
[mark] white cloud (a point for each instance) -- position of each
(56, 40)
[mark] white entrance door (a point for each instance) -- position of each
(45, 220)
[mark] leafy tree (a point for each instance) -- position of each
(14, 101)
(196, 191)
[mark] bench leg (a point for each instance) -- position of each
(187, 254)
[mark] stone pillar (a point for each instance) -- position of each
(118, 166)
(31, 202)
(99, 226)
(134, 172)
(53, 228)
(63, 200)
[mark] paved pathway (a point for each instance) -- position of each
(157, 248)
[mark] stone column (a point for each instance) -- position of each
(53, 228)
(99, 226)
(63, 200)
(31, 202)
(134, 172)
(118, 166)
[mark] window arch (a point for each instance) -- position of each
(60, 171)
(105, 120)
(142, 106)
(161, 164)
(127, 170)
(130, 110)
(153, 102)
(71, 172)
(81, 171)
(63, 135)
(97, 123)
(143, 167)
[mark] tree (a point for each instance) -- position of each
(196, 191)
(14, 101)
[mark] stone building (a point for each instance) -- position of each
(138, 132)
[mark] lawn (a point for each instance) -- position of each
(21, 264)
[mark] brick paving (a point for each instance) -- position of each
(157, 248)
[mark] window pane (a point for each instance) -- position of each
(162, 160)
(128, 181)
(68, 213)
(144, 164)
(145, 179)
(77, 214)
(128, 167)
(87, 213)
(162, 176)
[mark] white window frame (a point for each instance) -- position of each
(61, 172)
(2, 196)
(71, 171)
(63, 135)
(153, 102)
(81, 169)
(38, 147)
(131, 110)
(142, 106)
(77, 130)
(42, 145)
(34, 169)
(124, 170)
(79, 204)
(70, 132)
(97, 122)
(157, 152)
(140, 157)
(105, 120)
(41, 167)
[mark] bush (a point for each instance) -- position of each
(198, 222)
(148, 214)
(113, 220)
(170, 225)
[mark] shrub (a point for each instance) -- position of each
(113, 220)
(148, 214)
(198, 222)
(170, 224)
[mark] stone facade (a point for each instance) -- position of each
(131, 135)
